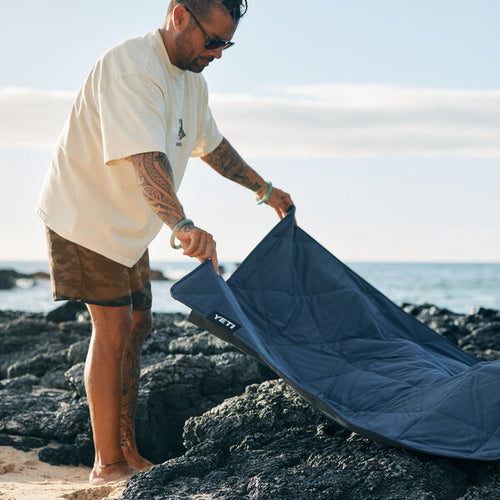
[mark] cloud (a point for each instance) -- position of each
(324, 121)
(310, 121)
(31, 118)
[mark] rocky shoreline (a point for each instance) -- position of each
(219, 424)
(10, 278)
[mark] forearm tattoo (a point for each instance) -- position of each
(226, 160)
(155, 178)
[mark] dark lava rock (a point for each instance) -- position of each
(246, 435)
(29, 342)
(22, 443)
(9, 277)
(184, 385)
(269, 444)
(477, 333)
(156, 275)
(185, 373)
(70, 311)
(41, 275)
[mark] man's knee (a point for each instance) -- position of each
(111, 325)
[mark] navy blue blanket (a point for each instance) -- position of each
(347, 349)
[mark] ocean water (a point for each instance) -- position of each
(457, 287)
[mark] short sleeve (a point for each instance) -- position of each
(132, 114)
(208, 135)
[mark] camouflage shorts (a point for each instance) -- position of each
(81, 274)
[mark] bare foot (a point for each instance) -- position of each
(137, 462)
(108, 474)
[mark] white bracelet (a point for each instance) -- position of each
(177, 228)
(262, 200)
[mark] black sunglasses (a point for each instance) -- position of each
(211, 43)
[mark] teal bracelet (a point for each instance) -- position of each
(266, 196)
(177, 228)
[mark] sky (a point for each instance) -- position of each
(381, 119)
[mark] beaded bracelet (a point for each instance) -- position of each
(177, 228)
(262, 200)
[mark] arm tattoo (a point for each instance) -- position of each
(226, 160)
(155, 178)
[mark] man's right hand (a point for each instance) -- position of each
(198, 243)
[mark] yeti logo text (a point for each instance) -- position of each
(226, 323)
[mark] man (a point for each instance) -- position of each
(141, 113)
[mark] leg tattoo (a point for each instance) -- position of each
(131, 375)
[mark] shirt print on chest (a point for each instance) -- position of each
(181, 134)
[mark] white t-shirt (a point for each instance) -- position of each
(134, 101)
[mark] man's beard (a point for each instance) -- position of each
(184, 48)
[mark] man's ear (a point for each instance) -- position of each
(180, 17)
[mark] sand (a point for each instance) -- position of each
(24, 477)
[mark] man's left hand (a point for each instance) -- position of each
(280, 201)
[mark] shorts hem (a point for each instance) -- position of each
(126, 301)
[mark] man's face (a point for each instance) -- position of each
(191, 53)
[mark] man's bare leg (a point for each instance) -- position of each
(141, 326)
(111, 328)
